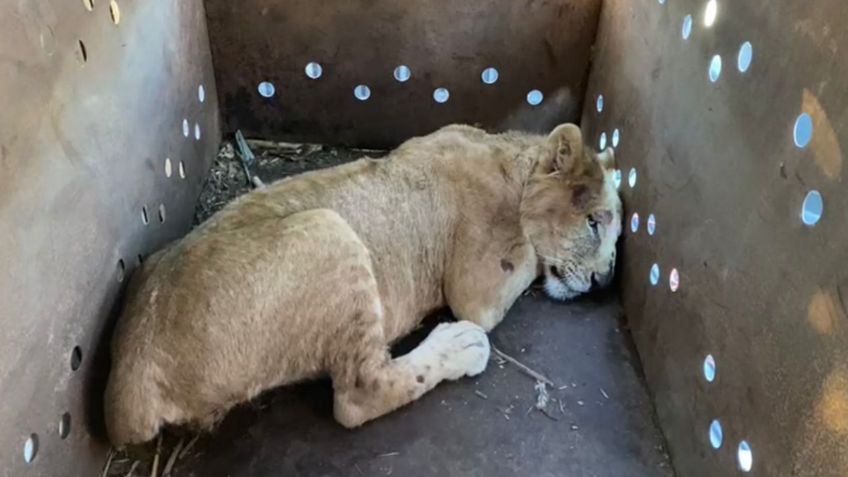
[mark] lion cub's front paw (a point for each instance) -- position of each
(460, 349)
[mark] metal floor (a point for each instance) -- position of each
(485, 426)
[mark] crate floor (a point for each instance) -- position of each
(483, 426)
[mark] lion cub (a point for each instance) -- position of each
(319, 273)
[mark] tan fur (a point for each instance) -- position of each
(319, 273)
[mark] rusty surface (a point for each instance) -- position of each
(542, 45)
(91, 110)
(717, 164)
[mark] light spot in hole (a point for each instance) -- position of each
(674, 280)
(31, 448)
(686, 29)
(201, 93)
(314, 70)
(535, 97)
(803, 131)
(65, 425)
(196, 132)
(167, 167)
(76, 358)
(121, 270)
(161, 213)
(266, 89)
(716, 434)
(115, 12)
(812, 209)
(602, 141)
(362, 92)
(631, 178)
(489, 75)
(82, 54)
(746, 54)
(89, 4)
(182, 171)
(709, 368)
(186, 128)
(441, 95)
(599, 103)
(634, 222)
(616, 137)
(654, 276)
(616, 178)
(745, 457)
(652, 224)
(145, 219)
(710, 13)
(715, 68)
(661, 2)
(402, 73)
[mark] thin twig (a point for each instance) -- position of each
(389, 454)
(604, 393)
(481, 394)
(108, 462)
(188, 446)
(173, 459)
(154, 471)
(527, 370)
(358, 469)
(132, 469)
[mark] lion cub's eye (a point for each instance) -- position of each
(593, 224)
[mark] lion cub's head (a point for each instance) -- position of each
(572, 214)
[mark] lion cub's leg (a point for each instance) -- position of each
(369, 383)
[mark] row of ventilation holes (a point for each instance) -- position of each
(32, 443)
(402, 74)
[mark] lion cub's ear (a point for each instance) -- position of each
(607, 159)
(566, 142)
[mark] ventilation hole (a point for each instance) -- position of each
(441, 95)
(616, 178)
(201, 93)
(602, 141)
(161, 213)
(652, 224)
(654, 276)
(710, 13)
(402, 73)
(599, 103)
(76, 358)
(82, 53)
(196, 132)
(634, 222)
(31, 448)
(186, 129)
(616, 136)
(362, 92)
(145, 219)
(181, 169)
(167, 167)
(709, 368)
(745, 457)
(89, 4)
(115, 12)
(715, 68)
(489, 75)
(266, 90)
(535, 97)
(803, 131)
(686, 30)
(673, 280)
(716, 434)
(812, 208)
(121, 270)
(746, 54)
(661, 2)
(65, 425)
(631, 178)
(314, 70)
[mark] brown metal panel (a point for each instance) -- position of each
(94, 96)
(717, 165)
(534, 44)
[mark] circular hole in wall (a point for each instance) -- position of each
(167, 167)
(186, 128)
(599, 103)
(709, 368)
(201, 93)
(715, 68)
(115, 12)
(76, 358)
(616, 137)
(181, 169)
(121, 270)
(652, 224)
(535, 97)
(746, 54)
(82, 53)
(674, 279)
(812, 208)
(313, 70)
(686, 29)
(803, 131)
(710, 13)
(616, 178)
(362, 92)
(161, 213)
(402, 73)
(631, 178)
(654, 276)
(441, 95)
(89, 4)
(716, 434)
(266, 90)
(145, 219)
(602, 141)
(65, 425)
(196, 132)
(634, 222)
(31, 448)
(489, 75)
(745, 456)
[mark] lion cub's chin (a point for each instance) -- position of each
(558, 290)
